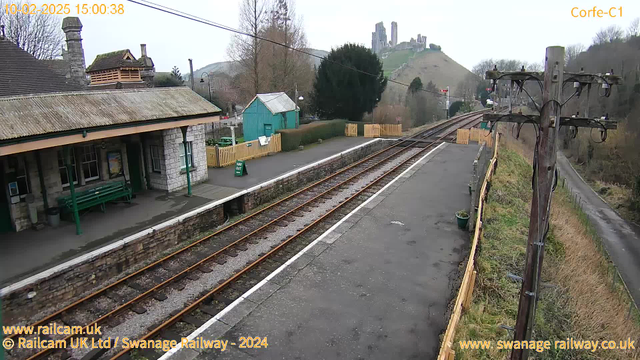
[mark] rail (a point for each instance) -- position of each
(449, 126)
(193, 306)
(465, 293)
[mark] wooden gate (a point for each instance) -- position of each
(351, 130)
(462, 136)
(372, 130)
(391, 129)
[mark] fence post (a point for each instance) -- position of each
(469, 296)
(217, 156)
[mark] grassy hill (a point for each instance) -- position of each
(429, 65)
(395, 59)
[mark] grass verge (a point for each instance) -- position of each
(581, 301)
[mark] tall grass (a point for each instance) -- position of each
(579, 300)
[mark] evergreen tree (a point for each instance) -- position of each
(348, 92)
(175, 74)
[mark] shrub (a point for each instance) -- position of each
(310, 133)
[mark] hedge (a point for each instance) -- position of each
(310, 133)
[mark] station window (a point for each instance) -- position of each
(156, 158)
(189, 155)
(90, 168)
(23, 181)
(64, 177)
(19, 174)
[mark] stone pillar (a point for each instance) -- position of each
(74, 55)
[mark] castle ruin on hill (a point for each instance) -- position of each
(379, 42)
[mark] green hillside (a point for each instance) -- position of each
(395, 59)
(429, 65)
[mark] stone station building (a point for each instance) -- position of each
(133, 136)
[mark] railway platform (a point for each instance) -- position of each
(376, 285)
(29, 252)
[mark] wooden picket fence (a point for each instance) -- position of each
(465, 293)
(377, 130)
(225, 156)
(463, 136)
(351, 130)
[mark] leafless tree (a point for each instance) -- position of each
(38, 34)
(634, 28)
(246, 49)
(571, 53)
(502, 64)
(533, 67)
(287, 67)
(466, 88)
(608, 35)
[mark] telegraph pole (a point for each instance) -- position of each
(547, 132)
(541, 200)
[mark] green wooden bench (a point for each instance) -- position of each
(96, 196)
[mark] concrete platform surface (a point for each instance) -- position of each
(269, 167)
(28, 252)
(375, 287)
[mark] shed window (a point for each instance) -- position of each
(189, 155)
(156, 158)
(90, 163)
(64, 177)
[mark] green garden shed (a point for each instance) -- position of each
(267, 113)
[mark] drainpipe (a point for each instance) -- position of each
(186, 158)
(43, 188)
(67, 162)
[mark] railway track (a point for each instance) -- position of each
(232, 259)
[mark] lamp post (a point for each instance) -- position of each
(208, 81)
(300, 98)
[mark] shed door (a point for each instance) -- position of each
(268, 130)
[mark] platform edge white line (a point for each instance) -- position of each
(257, 286)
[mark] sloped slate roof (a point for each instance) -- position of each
(21, 73)
(113, 60)
(31, 115)
(59, 66)
(276, 102)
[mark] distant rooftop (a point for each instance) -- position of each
(115, 60)
(276, 102)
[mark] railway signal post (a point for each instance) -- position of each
(547, 126)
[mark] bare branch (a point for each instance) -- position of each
(38, 34)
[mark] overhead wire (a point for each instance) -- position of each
(203, 21)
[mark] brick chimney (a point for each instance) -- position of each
(74, 55)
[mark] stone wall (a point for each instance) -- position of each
(176, 176)
(61, 287)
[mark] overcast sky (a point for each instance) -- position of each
(468, 31)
